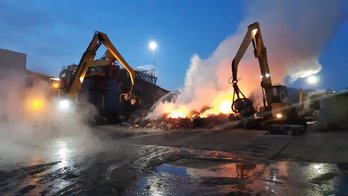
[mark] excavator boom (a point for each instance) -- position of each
(87, 60)
(241, 104)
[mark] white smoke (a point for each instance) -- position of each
(294, 32)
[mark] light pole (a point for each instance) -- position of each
(153, 46)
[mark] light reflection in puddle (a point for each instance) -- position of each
(190, 176)
(227, 170)
(215, 177)
(303, 178)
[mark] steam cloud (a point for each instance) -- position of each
(294, 33)
(23, 129)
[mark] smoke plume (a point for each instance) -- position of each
(294, 33)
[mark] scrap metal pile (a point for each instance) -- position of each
(178, 123)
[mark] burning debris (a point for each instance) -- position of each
(180, 122)
(167, 114)
(180, 119)
(176, 108)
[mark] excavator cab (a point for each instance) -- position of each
(279, 94)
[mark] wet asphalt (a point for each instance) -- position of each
(122, 161)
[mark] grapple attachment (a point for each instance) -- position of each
(244, 106)
(130, 97)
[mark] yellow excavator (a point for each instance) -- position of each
(73, 77)
(275, 110)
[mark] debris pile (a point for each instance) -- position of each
(178, 123)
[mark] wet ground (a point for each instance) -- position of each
(119, 161)
(197, 177)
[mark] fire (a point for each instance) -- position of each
(221, 105)
(225, 106)
(205, 102)
(177, 114)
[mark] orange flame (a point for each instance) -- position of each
(221, 105)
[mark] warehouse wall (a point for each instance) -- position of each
(12, 60)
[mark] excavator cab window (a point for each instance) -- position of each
(279, 94)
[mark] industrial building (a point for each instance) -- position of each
(16, 63)
(12, 60)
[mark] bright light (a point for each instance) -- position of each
(267, 75)
(225, 107)
(279, 115)
(64, 104)
(81, 79)
(177, 114)
(254, 32)
(312, 79)
(36, 103)
(153, 45)
(316, 166)
(55, 85)
(55, 79)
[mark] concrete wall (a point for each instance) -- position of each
(333, 113)
(12, 60)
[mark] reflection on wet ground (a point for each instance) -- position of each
(190, 176)
(61, 166)
(51, 165)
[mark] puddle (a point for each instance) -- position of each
(199, 168)
(210, 177)
(196, 176)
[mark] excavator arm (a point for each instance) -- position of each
(241, 104)
(87, 60)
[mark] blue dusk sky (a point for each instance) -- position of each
(55, 33)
